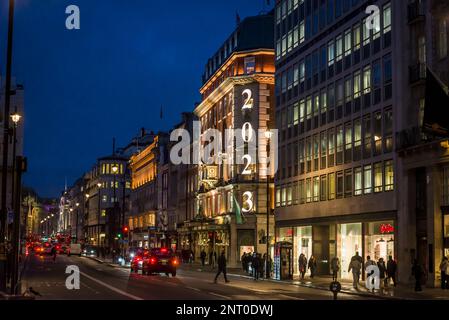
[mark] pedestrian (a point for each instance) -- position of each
(391, 270)
(335, 267)
(270, 262)
(418, 273)
(215, 259)
(211, 255)
(256, 266)
(369, 263)
(249, 259)
(444, 268)
(54, 253)
(302, 265)
(312, 266)
(244, 261)
(191, 257)
(262, 265)
(203, 257)
(382, 271)
(221, 267)
(355, 266)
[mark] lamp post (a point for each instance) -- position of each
(86, 208)
(267, 260)
(77, 221)
(114, 169)
(15, 117)
(98, 217)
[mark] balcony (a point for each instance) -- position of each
(417, 73)
(416, 12)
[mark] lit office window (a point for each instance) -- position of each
(316, 189)
(389, 175)
(330, 53)
(387, 18)
(340, 184)
(295, 114)
(348, 142)
(388, 130)
(301, 32)
(348, 42)
(365, 33)
(104, 198)
(278, 49)
(302, 192)
(367, 80)
(339, 145)
(323, 139)
(348, 183)
(377, 133)
(356, 37)
(302, 71)
(295, 75)
(302, 111)
(103, 212)
(308, 190)
(367, 179)
(367, 136)
(290, 41)
(295, 36)
(295, 192)
(348, 89)
(316, 152)
(331, 147)
(357, 181)
(308, 154)
(339, 48)
(331, 186)
(316, 104)
(284, 45)
(301, 157)
(357, 82)
(309, 107)
(378, 180)
(289, 195)
(323, 102)
(278, 197)
(357, 139)
(284, 196)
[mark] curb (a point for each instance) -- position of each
(107, 263)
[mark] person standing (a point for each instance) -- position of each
(418, 273)
(221, 267)
(54, 253)
(312, 266)
(382, 271)
(355, 266)
(203, 257)
(256, 266)
(244, 261)
(391, 270)
(302, 265)
(335, 267)
(444, 268)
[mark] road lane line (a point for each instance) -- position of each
(126, 294)
(192, 288)
(291, 297)
(219, 295)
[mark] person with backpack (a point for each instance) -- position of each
(355, 266)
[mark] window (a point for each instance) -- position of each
(309, 107)
(284, 196)
(290, 41)
(250, 65)
(348, 43)
(340, 184)
(323, 188)
(295, 36)
(301, 157)
(377, 133)
(339, 145)
(316, 152)
(323, 138)
(388, 130)
(378, 181)
(302, 111)
(357, 89)
(387, 18)
(295, 193)
(331, 144)
(387, 69)
(308, 190)
(442, 39)
(367, 136)
(289, 195)
(348, 142)
(302, 192)
(357, 181)
(357, 139)
(316, 189)
(389, 175)
(330, 53)
(295, 114)
(278, 197)
(365, 33)
(302, 71)
(339, 48)
(301, 32)
(308, 154)
(367, 179)
(367, 79)
(348, 183)
(323, 101)
(104, 198)
(356, 37)
(295, 74)
(316, 104)
(331, 186)
(348, 89)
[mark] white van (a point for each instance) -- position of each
(75, 248)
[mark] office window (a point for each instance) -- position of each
(388, 130)
(377, 133)
(308, 154)
(302, 71)
(104, 198)
(442, 38)
(357, 139)
(302, 111)
(389, 175)
(316, 104)
(340, 93)
(309, 107)
(330, 53)
(387, 18)
(339, 48)
(295, 36)
(323, 138)
(331, 147)
(302, 192)
(295, 114)
(378, 181)
(316, 189)
(331, 187)
(340, 184)
(377, 75)
(348, 89)
(339, 145)
(295, 74)
(284, 45)
(356, 37)
(283, 196)
(301, 32)
(348, 142)
(301, 157)
(289, 195)
(357, 181)
(103, 212)
(348, 43)
(323, 188)
(308, 190)
(295, 193)
(367, 179)
(348, 183)
(330, 11)
(290, 41)
(323, 101)
(365, 33)
(316, 152)
(357, 87)
(367, 79)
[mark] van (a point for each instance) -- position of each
(75, 248)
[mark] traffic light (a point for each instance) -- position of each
(119, 235)
(125, 230)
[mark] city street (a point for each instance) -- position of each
(104, 282)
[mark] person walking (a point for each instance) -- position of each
(244, 261)
(382, 271)
(355, 266)
(335, 267)
(391, 270)
(444, 268)
(312, 266)
(203, 257)
(54, 252)
(221, 267)
(302, 265)
(418, 273)
(256, 266)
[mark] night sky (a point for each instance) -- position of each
(84, 87)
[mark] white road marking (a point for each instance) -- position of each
(192, 288)
(219, 295)
(126, 294)
(291, 297)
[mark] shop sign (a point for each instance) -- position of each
(386, 228)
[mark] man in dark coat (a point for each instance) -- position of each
(221, 267)
(391, 270)
(203, 257)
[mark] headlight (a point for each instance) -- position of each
(92, 251)
(131, 255)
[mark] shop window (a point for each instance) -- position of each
(331, 188)
(367, 179)
(379, 240)
(340, 184)
(378, 181)
(349, 241)
(302, 244)
(389, 175)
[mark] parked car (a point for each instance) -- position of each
(74, 248)
(160, 260)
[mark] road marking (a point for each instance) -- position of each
(126, 294)
(219, 295)
(192, 288)
(290, 297)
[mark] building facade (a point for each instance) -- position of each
(346, 91)
(237, 93)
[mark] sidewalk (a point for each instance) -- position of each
(401, 292)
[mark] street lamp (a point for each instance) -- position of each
(268, 135)
(98, 218)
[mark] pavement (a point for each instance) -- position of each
(102, 280)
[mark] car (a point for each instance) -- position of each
(47, 247)
(74, 248)
(89, 251)
(160, 260)
(137, 260)
(38, 249)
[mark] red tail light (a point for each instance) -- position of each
(153, 260)
(175, 262)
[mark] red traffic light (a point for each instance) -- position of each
(125, 229)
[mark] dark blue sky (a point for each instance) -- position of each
(83, 87)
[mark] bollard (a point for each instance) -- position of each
(335, 288)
